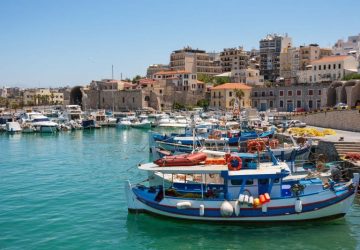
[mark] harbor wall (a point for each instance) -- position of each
(338, 119)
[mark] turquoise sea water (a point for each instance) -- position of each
(65, 191)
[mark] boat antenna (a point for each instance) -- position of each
(112, 88)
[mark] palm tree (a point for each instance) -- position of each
(239, 95)
(52, 98)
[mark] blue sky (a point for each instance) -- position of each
(69, 42)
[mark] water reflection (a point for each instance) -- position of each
(157, 231)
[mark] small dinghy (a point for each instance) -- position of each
(181, 160)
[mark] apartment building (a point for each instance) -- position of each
(350, 47)
(154, 68)
(234, 59)
(222, 97)
(311, 53)
(270, 49)
(289, 65)
(329, 69)
(195, 61)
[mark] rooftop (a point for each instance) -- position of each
(328, 59)
(233, 85)
(172, 72)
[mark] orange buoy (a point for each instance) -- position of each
(262, 199)
(267, 197)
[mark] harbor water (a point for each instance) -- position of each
(65, 191)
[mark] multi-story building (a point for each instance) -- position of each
(234, 59)
(289, 64)
(289, 98)
(349, 47)
(311, 53)
(222, 97)
(154, 68)
(42, 96)
(328, 69)
(3, 92)
(195, 61)
(270, 49)
(249, 76)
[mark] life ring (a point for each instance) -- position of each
(255, 145)
(234, 163)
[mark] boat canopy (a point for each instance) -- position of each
(264, 169)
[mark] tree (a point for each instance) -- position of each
(204, 103)
(52, 98)
(205, 78)
(221, 80)
(136, 79)
(353, 76)
(239, 95)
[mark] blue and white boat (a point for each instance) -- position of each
(243, 191)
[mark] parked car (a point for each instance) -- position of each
(341, 105)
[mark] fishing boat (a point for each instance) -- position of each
(246, 191)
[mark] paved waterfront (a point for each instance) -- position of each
(348, 135)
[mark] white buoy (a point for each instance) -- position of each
(241, 198)
(251, 201)
(264, 208)
(226, 209)
(237, 208)
(183, 205)
(202, 210)
(246, 199)
(298, 206)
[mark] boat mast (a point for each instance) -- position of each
(112, 82)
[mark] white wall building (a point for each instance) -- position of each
(328, 69)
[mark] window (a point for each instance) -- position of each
(334, 66)
(133, 99)
(123, 99)
(339, 66)
(230, 93)
(310, 104)
(271, 93)
(318, 104)
(263, 181)
(319, 67)
(298, 92)
(329, 66)
(314, 67)
(298, 104)
(319, 92)
(281, 104)
(255, 103)
(255, 94)
(289, 92)
(281, 93)
(263, 93)
(214, 95)
(147, 98)
(271, 104)
(219, 103)
(310, 92)
(160, 91)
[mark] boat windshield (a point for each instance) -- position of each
(41, 120)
